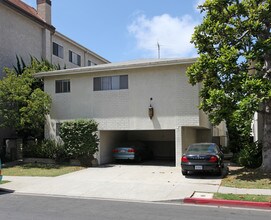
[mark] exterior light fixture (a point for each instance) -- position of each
(151, 111)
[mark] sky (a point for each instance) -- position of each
(122, 30)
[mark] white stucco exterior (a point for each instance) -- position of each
(174, 102)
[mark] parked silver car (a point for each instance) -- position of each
(136, 151)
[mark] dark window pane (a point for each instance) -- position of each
(70, 56)
(55, 51)
(58, 86)
(78, 60)
(124, 82)
(97, 83)
(106, 83)
(60, 51)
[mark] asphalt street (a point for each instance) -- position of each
(25, 207)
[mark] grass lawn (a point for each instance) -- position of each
(4, 181)
(45, 170)
(253, 198)
(239, 177)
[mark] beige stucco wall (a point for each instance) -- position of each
(19, 36)
(174, 100)
(68, 45)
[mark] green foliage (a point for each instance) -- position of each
(23, 104)
(251, 155)
(80, 138)
(45, 149)
(22, 107)
(234, 65)
(35, 65)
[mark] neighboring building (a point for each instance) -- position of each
(27, 32)
(118, 97)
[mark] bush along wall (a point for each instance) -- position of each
(250, 155)
(80, 139)
(44, 149)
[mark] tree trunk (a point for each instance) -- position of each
(266, 164)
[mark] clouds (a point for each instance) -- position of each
(172, 33)
(199, 2)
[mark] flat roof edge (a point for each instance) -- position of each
(116, 66)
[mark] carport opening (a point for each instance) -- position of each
(160, 142)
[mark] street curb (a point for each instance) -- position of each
(222, 202)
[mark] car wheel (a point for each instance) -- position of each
(184, 172)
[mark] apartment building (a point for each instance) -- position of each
(146, 100)
(26, 31)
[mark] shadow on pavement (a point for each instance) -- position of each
(4, 191)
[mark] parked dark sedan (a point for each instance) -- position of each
(136, 151)
(202, 157)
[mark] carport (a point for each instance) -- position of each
(161, 142)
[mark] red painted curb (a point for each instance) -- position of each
(265, 205)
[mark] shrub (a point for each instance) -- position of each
(45, 149)
(250, 155)
(80, 138)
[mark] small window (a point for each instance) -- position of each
(63, 86)
(74, 58)
(57, 50)
(90, 63)
(110, 83)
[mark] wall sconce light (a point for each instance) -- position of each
(151, 111)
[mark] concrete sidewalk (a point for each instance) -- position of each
(128, 182)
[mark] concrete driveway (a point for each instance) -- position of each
(124, 182)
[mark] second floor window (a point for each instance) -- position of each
(90, 63)
(57, 50)
(74, 58)
(110, 82)
(63, 86)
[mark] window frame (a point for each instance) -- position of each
(59, 49)
(72, 59)
(115, 82)
(63, 86)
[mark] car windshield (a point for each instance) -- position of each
(203, 148)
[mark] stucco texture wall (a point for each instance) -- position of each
(19, 36)
(64, 62)
(173, 99)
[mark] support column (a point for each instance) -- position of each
(178, 146)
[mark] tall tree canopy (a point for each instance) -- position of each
(234, 65)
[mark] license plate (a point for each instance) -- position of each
(122, 151)
(198, 167)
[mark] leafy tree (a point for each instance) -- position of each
(22, 107)
(234, 66)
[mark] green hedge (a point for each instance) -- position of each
(80, 138)
(250, 155)
(45, 149)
